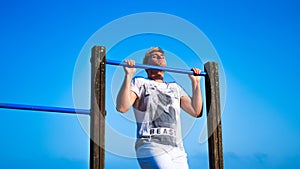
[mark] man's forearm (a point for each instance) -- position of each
(197, 98)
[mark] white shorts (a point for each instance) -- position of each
(158, 156)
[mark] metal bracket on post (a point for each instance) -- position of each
(213, 116)
(97, 126)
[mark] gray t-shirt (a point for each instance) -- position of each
(157, 111)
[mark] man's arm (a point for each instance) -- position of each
(193, 105)
(126, 97)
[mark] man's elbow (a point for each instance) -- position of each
(199, 113)
(121, 109)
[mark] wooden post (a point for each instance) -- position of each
(214, 129)
(97, 121)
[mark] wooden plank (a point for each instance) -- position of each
(214, 128)
(97, 126)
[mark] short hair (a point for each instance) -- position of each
(151, 50)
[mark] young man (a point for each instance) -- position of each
(157, 110)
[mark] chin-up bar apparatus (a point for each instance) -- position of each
(97, 110)
(152, 67)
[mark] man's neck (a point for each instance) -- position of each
(157, 79)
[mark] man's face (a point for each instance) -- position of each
(157, 59)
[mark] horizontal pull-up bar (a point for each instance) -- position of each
(44, 108)
(175, 70)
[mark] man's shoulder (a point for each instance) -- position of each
(139, 80)
(172, 83)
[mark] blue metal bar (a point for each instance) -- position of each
(183, 71)
(44, 108)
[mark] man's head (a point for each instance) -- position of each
(155, 56)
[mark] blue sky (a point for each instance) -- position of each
(256, 41)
